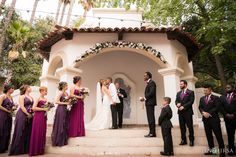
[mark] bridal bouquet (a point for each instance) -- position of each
(84, 91)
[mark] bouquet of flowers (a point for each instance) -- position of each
(73, 101)
(84, 91)
(66, 99)
(30, 110)
(48, 105)
(12, 107)
(70, 100)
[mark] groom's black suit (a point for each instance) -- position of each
(150, 103)
(120, 106)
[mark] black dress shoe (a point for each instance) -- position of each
(166, 153)
(183, 142)
(114, 128)
(208, 153)
(150, 135)
(231, 154)
(191, 143)
(222, 154)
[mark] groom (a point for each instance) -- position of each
(114, 95)
(150, 103)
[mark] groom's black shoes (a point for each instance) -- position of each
(150, 135)
(183, 142)
(167, 153)
(114, 127)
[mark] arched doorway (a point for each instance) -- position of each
(124, 64)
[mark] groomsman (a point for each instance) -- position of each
(120, 106)
(184, 101)
(150, 103)
(228, 102)
(209, 106)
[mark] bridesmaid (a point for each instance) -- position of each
(23, 123)
(6, 102)
(60, 126)
(39, 126)
(76, 122)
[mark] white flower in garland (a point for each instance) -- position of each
(121, 44)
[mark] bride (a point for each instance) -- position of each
(102, 118)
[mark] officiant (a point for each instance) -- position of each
(120, 106)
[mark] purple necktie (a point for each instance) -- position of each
(182, 95)
(229, 98)
(206, 99)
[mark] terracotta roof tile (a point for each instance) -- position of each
(177, 33)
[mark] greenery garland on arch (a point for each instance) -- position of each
(121, 44)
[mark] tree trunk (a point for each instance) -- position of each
(1, 5)
(70, 12)
(7, 21)
(62, 14)
(85, 14)
(33, 11)
(3, 2)
(58, 11)
(220, 71)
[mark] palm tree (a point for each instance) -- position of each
(7, 21)
(33, 11)
(70, 12)
(65, 3)
(87, 5)
(58, 10)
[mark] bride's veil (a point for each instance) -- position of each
(99, 98)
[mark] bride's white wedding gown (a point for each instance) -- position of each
(102, 119)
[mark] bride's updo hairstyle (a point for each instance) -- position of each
(76, 79)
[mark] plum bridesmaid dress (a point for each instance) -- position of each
(60, 125)
(76, 118)
(5, 125)
(22, 131)
(38, 134)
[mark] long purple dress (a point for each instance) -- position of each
(38, 134)
(76, 122)
(60, 125)
(5, 125)
(23, 125)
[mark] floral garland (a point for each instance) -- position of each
(121, 44)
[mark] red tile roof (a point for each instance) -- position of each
(60, 32)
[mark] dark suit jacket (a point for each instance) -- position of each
(226, 107)
(150, 94)
(212, 107)
(186, 102)
(165, 116)
(122, 91)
